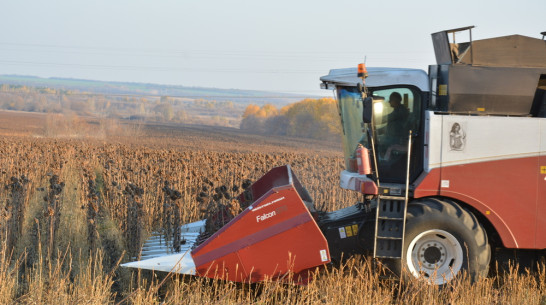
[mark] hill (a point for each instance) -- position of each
(134, 101)
(151, 90)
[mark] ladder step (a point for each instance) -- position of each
(399, 198)
(391, 218)
(391, 209)
(389, 237)
(388, 248)
(386, 256)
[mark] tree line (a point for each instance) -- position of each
(309, 118)
(140, 108)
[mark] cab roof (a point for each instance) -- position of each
(377, 77)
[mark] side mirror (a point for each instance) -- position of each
(360, 87)
(367, 109)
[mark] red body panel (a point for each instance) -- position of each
(541, 207)
(504, 191)
(274, 236)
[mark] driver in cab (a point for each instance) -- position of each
(396, 129)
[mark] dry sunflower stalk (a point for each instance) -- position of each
(222, 206)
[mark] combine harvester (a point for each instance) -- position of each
(451, 165)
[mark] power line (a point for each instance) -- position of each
(131, 49)
(152, 68)
(207, 52)
(177, 96)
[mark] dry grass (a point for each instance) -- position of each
(62, 239)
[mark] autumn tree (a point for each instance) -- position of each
(251, 110)
(255, 117)
(311, 118)
(267, 110)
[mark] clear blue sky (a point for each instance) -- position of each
(263, 45)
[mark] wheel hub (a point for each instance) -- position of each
(435, 255)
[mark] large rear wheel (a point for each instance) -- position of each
(442, 240)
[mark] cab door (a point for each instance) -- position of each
(393, 121)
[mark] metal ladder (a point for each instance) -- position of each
(390, 227)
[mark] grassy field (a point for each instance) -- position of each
(78, 197)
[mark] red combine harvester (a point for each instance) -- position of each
(451, 165)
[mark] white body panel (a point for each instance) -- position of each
(352, 181)
(483, 138)
(349, 181)
(543, 137)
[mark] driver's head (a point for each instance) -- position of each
(395, 99)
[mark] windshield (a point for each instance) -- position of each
(396, 111)
(350, 111)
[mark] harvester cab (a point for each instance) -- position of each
(398, 97)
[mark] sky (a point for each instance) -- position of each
(281, 45)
